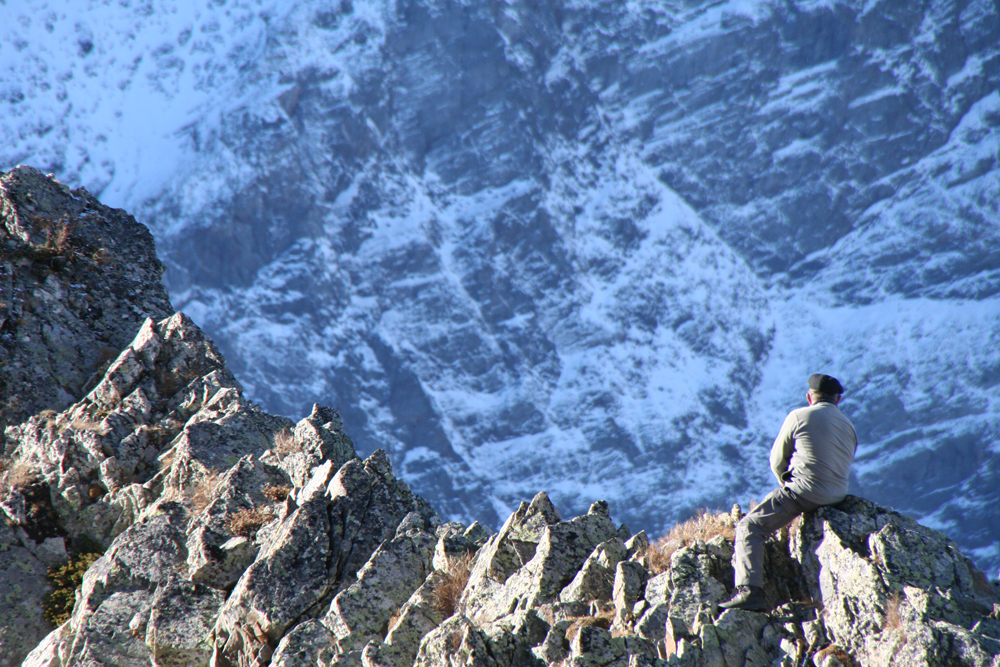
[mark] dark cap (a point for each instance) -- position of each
(825, 384)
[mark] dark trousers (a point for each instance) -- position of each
(777, 511)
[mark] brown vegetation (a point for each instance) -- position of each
(703, 526)
(57, 239)
(19, 475)
(893, 621)
(248, 521)
(284, 443)
(833, 650)
(602, 619)
(448, 590)
(84, 423)
(200, 494)
(393, 619)
(49, 416)
(276, 493)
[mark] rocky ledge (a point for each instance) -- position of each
(219, 534)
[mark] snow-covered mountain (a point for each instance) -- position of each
(588, 247)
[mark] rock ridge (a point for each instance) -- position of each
(229, 536)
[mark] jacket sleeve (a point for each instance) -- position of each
(784, 445)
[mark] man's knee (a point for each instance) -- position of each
(749, 527)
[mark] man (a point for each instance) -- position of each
(811, 458)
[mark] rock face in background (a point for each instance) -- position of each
(589, 247)
(76, 279)
(229, 536)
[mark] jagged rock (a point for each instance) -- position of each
(218, 565)
(507, 551)
(511, 639)
(308, 644)
(693, 587)
(595, 580)
(595, 647)
(740, 639)
(368, 503)
(553, 648)
(454, 642)
(167, 399)
(652, 624)
(629, 585)
(122, 583)
(361, 612)
(70, 452)
(215, 557)
(637, 544)
(452, 544)
(23, 587)
(290, 575)
(76, 280)
(180, 619)
(562, 549)
(883, 577)
(657, 589)
(477, 533)
(316, 439)
(458, 642)
(417, 617)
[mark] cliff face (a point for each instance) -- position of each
(233, 537)
(562, 244)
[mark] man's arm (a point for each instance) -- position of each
(784, 445)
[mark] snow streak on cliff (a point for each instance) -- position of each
(588, 247)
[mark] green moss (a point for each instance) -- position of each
(65, 580)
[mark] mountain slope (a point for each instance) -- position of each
(611, 236)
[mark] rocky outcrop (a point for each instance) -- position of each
(233, 537)
(76, 280)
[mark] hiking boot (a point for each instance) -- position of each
(748, 598)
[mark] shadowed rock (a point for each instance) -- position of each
(77, 279)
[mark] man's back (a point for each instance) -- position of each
(813, 453)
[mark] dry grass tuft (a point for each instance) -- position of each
(449, 588)
(248, 522)
(703, 526)
(276, 493)
(56, 240)
(19, 475)
(284, 443)
(49, 416)
(835, 651)
(200, 494)
(393, 619)
(893, 621)
(85, 423)
(602, 619)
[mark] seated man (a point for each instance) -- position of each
(811, 458)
